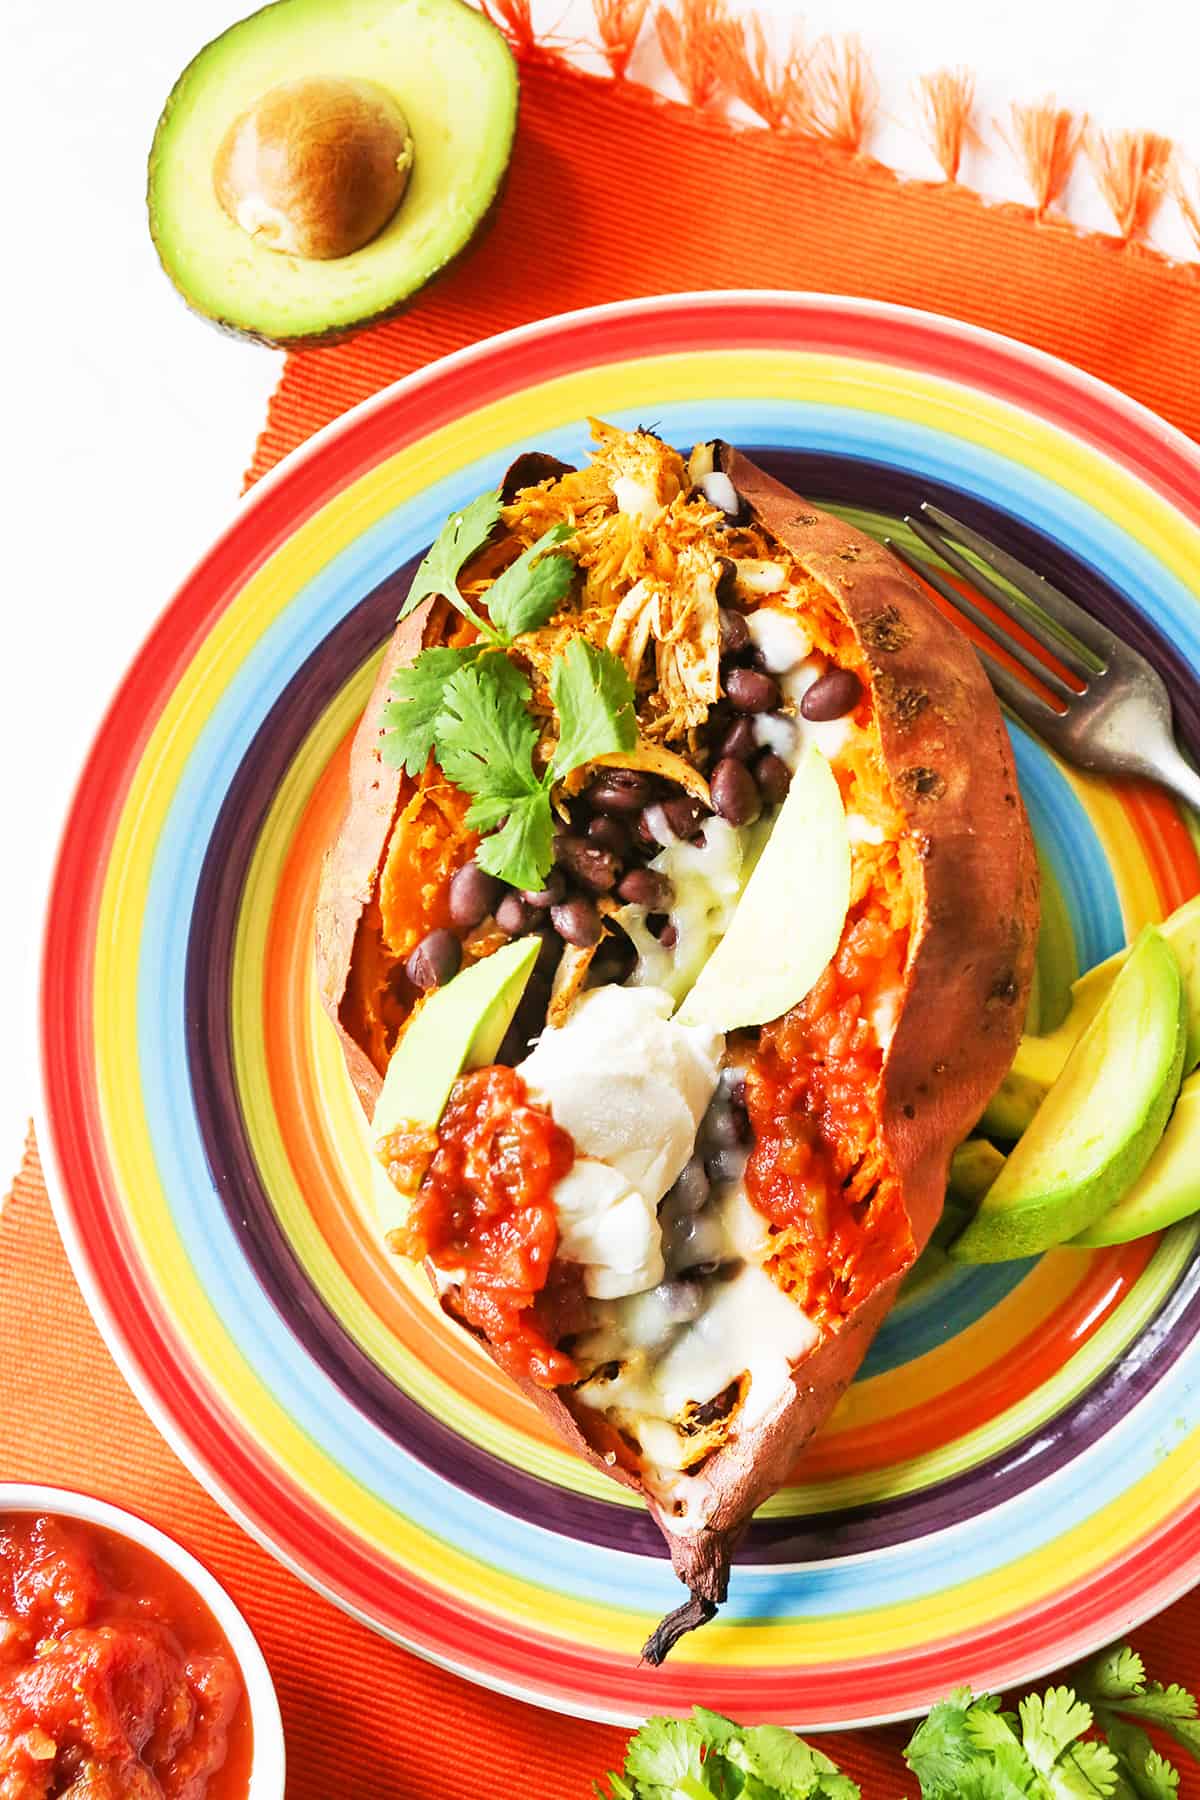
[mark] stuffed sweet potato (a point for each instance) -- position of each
(678, 1233)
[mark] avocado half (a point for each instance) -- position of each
(455, 80)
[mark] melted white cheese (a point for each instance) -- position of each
(884, 1014)
(781, 735)
(862, 830)
(631, 1087)
(707, 880)
(780, 639)
(748, 1327)
(609, 1228)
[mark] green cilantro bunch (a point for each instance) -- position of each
(1087, 1742)
(469, 706)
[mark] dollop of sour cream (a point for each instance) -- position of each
(631, 1087)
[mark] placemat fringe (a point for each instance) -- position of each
(829, 93)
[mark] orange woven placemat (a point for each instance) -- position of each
(612, 194)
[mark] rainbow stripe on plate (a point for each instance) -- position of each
(1013, 1478)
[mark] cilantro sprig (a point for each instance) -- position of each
(468, 706)
(523, 597)
(1086, 1742)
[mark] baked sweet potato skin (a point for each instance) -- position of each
(966, 987)
(951, 765)
(350, 871)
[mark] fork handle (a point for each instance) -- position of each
(1179, 778)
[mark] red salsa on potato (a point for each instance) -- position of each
(116, 1682)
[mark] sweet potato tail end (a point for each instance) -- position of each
(694, 1612)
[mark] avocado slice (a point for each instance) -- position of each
(808, 852)
(460, 1026)
(454, 83)
(1098, 1126)
(1168, 1188)
(973, 1169)
(1040, 1060)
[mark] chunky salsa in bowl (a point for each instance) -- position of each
(126, 1672)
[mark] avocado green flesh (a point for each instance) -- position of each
(1168, 1188)
(1040, 1060)
(460, 1026)
(973, 1168)
(808, 852)
(455, 81)
(1098, 1126)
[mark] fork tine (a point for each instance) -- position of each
(964, 604)
(1068, 652)
(1019, 699)
(1066, 614)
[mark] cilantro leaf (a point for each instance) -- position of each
(531, 589)
(941, 1750)
(1049, 1723)
(1118, 1672)
(485, 735)
(593, 697)
(463, 534)
(1084, 1771)
(716, 1727)
(485, 742)
(786, 1765)
(1161, 1705)
(409, 718)
(523, 849)
(662, 1755)
(1144, 1773)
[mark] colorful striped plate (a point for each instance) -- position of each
(1013, 1479)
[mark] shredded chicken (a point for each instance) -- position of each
(645, 545)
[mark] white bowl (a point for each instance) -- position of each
(267, 1769)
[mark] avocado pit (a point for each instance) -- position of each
(315, 168)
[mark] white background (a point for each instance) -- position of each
(127, 422)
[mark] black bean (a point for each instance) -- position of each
(751, 691)
(690, 1240)
(667, 820)
(691, 1189)
(513, 916)
(668, 937)
(610, 834)
(735, 633)
(578, 922)
(734, 793)
(619, 791)
(435, 960)
(773, 776)
(833, 696)
(645, 887)
(589, 864)
(542, 899)
(682, 1301)
(726, 1125)
(739, 741)
(733, 1085)
(473, 895)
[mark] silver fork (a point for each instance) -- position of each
(1120, 723)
